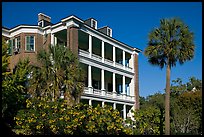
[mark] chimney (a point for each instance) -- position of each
(106, 30)
(91, 22)
(43, 20)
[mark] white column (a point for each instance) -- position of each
(103, 56)
(114, 90)
(123, 85)
(90, 46)
(114, 82)
(114, 105)
(103, 103)
(124, 111)
(55, 41)
(52, 39)
(123, 58)
(102, 82)
(90, 79)
(90, 102)
(114, 56)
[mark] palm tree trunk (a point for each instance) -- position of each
(167, 101)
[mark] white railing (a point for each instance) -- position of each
(128, 68)
(83, 52)
(96, 57)
(118, 65)
(97, 91)
(108, 61)
(108, 94)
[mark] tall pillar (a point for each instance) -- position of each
(103, 56)
(123, 85)
(136, 80)
(124, 111)
(90, 46)
(90, 102)
(55, 41)
(114, 57)
(123, 59)
(73, 39)
(114, 90)
(52, 39)
(103, 103)
(102, 82)
(90, 79)
(114, 105)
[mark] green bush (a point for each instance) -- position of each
(146, 121)
(43, 117)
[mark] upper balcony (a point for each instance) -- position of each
(98, 50)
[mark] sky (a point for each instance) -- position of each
(130, 22)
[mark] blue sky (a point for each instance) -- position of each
(131, 22)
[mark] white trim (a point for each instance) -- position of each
(91, 63)
(25, 27)
(107, 100)
(68, 18)
(26, 30)
(44, 15)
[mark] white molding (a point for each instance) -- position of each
(92, 63)
(5, 33)
(106, 100)
(26, 30)
(70, 17)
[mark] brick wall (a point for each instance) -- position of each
(136, 81)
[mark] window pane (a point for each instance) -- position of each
(27, 42)
(18, 42)
(10, 47)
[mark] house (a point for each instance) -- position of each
(111, 66)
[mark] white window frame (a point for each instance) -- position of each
(92, 20)
(110, 31)
(26, 43)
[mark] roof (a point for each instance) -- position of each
(79, 19)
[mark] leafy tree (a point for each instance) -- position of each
(146, 121)
(44, 117)
(13, 86)
(172, 42)
(187, 113)
(194, 83)
(58, 73)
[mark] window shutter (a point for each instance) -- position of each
(10, 47)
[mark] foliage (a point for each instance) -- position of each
(187, 113)
(46, 117)
(146, 121)
(13, 86)
(58, 72)
(168, 44)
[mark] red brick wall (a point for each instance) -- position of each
(136, 81)
(23, 54)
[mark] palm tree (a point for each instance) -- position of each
(172, 42)
(58, 73)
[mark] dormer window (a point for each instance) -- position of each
(40, 23)
(93, 24)
(109, 32)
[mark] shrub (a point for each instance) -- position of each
(43, 117)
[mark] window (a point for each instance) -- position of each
(16, 44)
(30, 43)
(109, 33)
(10, 47)
(93, 24)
